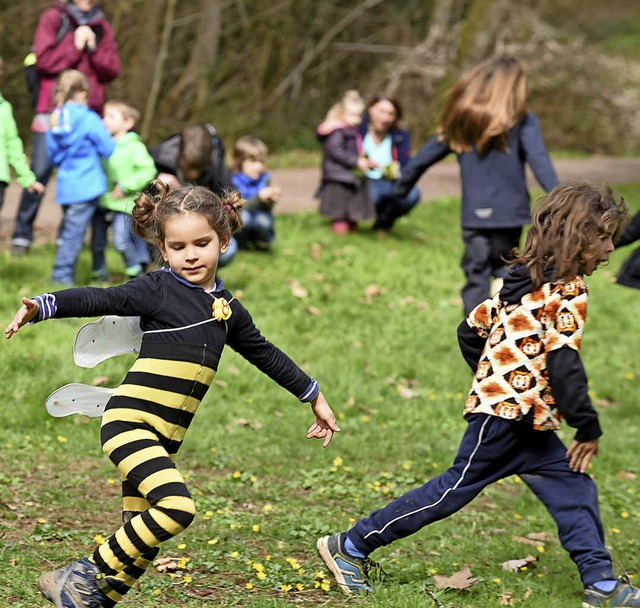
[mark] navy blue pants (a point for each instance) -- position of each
(493, 448)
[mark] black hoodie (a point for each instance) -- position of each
(567, 376)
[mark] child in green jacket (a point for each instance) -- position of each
(129, 170)
(12, 152)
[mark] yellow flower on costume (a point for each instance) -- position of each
(220, 309)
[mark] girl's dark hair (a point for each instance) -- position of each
(158, 204)
(566, 224)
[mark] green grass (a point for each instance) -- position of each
(378, 330)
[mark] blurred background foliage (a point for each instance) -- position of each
(272, 68)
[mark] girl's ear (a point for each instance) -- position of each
(163, 251)
(224, 244)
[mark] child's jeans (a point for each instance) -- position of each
(133, 248)
(493, 448)
(76, 218)
(258, 228)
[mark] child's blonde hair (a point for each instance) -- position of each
(350, 98)
(248, 148)
(68, 85)
(127, 109)
(565, 226)
(486, 102)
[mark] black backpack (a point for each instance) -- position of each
(31, 75)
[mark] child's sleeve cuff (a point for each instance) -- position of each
(312, 391)
(47, 307)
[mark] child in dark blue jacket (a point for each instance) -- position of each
(486, 124)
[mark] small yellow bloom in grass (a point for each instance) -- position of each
(319, 574)
(257, 566)
(540, 548)
(406, 465)
(267, 508)
(615, 531)
(249, 586)
(517, 515)
(99, 538)
(333, 469)
(62, 439)
(8, 445)
(234, 555)
(186, 578)
(299, 586)
(111, 481)
(632, 541)
(219, 511)
(496, 581)
(261, 575)
(157, 592)
(236, 474)
(182, 562)
(286, 587)
(213, 541)
(182, 546)
(624, 515)
(253, 479)
(325, 585)
(337, 462)
(42, 520)
(268, 557)
(256, 527)
(352, 520)
(207, 515)
(433, 571)
(365, 419)
(517, 479)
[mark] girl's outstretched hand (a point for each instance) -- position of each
(325, 425)
(27, 312)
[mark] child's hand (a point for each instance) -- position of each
(37, 188)
(269, 193)
(325, 425)
(581, 453)
(27, 312)
(365, 164)
(117, 192)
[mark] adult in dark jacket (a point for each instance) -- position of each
(629, 274)
(386, 143)
(486, 124)
(196, 156)
(74, 34)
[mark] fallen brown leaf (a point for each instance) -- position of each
(462, 579)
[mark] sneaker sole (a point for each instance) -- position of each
(45, 585)
(327, 558)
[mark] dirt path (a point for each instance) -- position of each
(298, 186)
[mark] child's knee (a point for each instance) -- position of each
(180, 509)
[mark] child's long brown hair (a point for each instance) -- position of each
(486, 102)
(158, 204)
(566, 224)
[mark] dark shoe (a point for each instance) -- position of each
(351, 573)
(74, 586)
(19, 250)
(623, 594)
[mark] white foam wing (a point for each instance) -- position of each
(106, 338)
(78, 399)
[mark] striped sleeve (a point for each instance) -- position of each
(47, 307)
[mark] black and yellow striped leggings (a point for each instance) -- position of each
(142, 430)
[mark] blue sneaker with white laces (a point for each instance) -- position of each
(351, 573)
(74, 586)
(623, 594)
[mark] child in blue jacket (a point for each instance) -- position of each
(76, 143)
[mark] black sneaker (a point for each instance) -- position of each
(74, 586)
(623, 594)
(351, 573)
